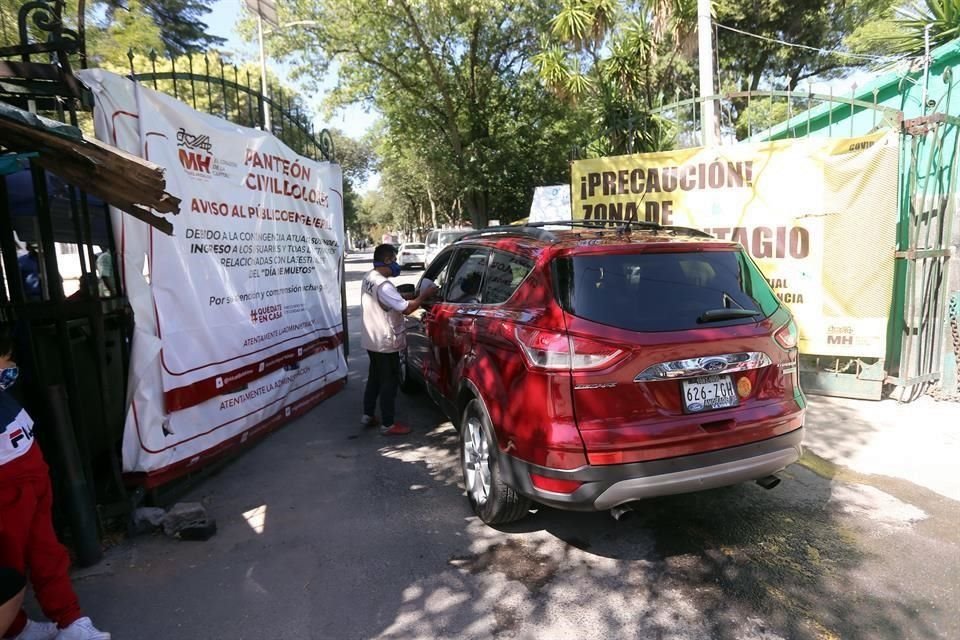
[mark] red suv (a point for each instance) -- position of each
(588, 368)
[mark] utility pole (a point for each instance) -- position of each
(708, 108)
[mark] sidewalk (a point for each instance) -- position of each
(918, 442)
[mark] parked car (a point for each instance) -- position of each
(438, 239)
(587, 369)
(412, 254)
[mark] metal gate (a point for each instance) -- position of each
(74, 328)
(929, 152)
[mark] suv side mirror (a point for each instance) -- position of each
(406, 289)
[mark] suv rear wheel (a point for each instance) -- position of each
(493, 501)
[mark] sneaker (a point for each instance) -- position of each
(369, 421)
(38, 631)
(82, 629)
(396, 429)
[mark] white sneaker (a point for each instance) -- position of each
(38, 631)
(369, 421)
(82, 629)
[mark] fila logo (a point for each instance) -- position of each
(19, 434)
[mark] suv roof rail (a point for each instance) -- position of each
(535, 229)
(528, 230)
(690, 231)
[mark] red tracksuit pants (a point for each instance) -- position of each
(28, 542)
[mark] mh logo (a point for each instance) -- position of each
(193, 161)
(20, 434)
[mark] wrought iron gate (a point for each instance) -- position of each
(929, 153)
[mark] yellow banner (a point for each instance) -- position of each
(818, 216)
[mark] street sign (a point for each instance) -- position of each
(266, 9)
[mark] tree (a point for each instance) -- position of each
(356, 159)
(750, 63)
(904, 31)
(621, 59)
(618, 61)
(179, 22)
(108, 42)
(444, 74)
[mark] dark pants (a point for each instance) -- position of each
(383, 379)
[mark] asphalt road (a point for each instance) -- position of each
(352, 535)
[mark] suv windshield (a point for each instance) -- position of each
(664, 291)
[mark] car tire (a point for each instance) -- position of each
(493, 501)
(407, 383)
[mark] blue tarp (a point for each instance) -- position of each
(23, 209)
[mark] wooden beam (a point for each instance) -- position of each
(129, 183)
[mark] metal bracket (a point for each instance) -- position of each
(922, 254)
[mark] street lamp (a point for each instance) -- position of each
(266, 11)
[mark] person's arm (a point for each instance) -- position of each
(417, 302)
(392, 299)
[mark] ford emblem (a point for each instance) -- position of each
(714, 365)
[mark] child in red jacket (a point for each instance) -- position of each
(28, 543)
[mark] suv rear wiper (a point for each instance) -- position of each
(716, 315)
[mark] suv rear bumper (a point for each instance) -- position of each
(605, 487)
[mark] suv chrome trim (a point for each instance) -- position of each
(704, 366)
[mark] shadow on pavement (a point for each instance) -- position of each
(328, 530)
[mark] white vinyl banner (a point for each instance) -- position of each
(238, 315)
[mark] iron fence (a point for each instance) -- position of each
(212, 84)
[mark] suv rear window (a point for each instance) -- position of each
(662, 291)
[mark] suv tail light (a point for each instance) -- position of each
(551, 350)
(787, 336)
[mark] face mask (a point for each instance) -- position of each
(395, 269)
(8, 377)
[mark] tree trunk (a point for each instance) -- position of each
(456, 212)
(433, 209)
(476, 204)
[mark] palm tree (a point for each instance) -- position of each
(618, 59)
(942, 17)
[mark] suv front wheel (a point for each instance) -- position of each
(493, 501)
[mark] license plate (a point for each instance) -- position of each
(709, 392)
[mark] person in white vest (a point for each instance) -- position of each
(382, 310)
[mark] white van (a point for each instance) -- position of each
(440, 238)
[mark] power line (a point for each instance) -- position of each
(829, 52)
